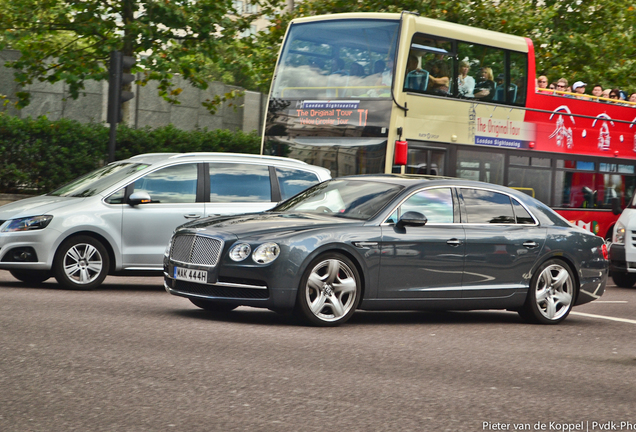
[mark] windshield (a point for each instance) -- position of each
(98, 180)
(337, 59)
(353, 199)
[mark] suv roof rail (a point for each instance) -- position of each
(248, 155)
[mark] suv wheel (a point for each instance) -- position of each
(81, 262)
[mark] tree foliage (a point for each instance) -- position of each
(71, 40)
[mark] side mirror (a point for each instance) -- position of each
(616, 206)
(137, 198)
(412, 218)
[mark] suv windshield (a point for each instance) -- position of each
(98, 180)
(353, 199)
(337, 59)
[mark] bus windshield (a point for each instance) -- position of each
(337, 59)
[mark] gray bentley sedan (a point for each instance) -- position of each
(389, 242)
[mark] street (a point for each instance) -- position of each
(130, 357)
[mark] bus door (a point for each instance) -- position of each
(425, 161)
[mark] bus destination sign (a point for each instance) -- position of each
(330, 113)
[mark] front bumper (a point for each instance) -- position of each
(618, 260)
(238, 286)
(37, 245)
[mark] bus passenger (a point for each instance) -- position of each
(542, 82)
(579, 88)
(465, 83)
(439, 78)
(416, 78)
(632, 98)
(615, 95)
(485, 87)
(597, 91)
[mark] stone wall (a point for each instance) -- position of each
(146, 109)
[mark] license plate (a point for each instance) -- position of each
(199, 276)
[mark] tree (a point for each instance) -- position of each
(71, 40)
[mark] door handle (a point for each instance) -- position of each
(530, 244)
(453, 242)
(192, 216)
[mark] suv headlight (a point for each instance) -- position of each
(266, 253)
(240, 251)
(619, 233)
(28, 223)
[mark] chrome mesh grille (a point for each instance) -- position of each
(194, 249)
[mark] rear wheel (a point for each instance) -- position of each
(213, 306)
(551, 294)
(624, 280)
(329, 291)
(31, 276)
(81, 262)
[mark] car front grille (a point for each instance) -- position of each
(195, 249)
(219, 291)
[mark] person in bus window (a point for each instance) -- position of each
(416, 78)
(615, 95)
(597, 91)
(439, 78)
(562, 86)
(485, 87)
(632, 98)
(465, 83)
(552, 86)
(542, 82)
(579, 88)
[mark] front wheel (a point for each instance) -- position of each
(213, 306)
(624, 280)
(329, 291)
(81, 262)
(551, 295)
(31, 276)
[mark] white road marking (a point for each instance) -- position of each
(604, 317)
(610, 301)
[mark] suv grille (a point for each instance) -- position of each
(194, 249)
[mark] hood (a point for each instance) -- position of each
(35, 206)
(269, 223)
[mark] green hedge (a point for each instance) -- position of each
(39, 155)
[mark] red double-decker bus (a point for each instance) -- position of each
(371, 93)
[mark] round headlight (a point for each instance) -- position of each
(266, 253)
(240, 251)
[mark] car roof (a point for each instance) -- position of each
(409, 180)
(157, 158)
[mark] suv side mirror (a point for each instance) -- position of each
(137, 198)
(412, 218)
(616, 206)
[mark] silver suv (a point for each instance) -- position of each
(119, 218)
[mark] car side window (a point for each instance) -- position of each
(521, 214)
(117, 197)
(173, 184)
(293, 181)
(235, 182)
(436, 204)
(487, 207)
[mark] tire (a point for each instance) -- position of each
(329, 291)
(213, 306)
(31, 276)
(81, 262)
(551, 295)
(624, 280)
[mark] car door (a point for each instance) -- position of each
(503, 242)
(146, 228)
(239, 188)
(423, 261)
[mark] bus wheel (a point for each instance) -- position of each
(624, 280)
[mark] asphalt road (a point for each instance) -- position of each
(130, 357)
